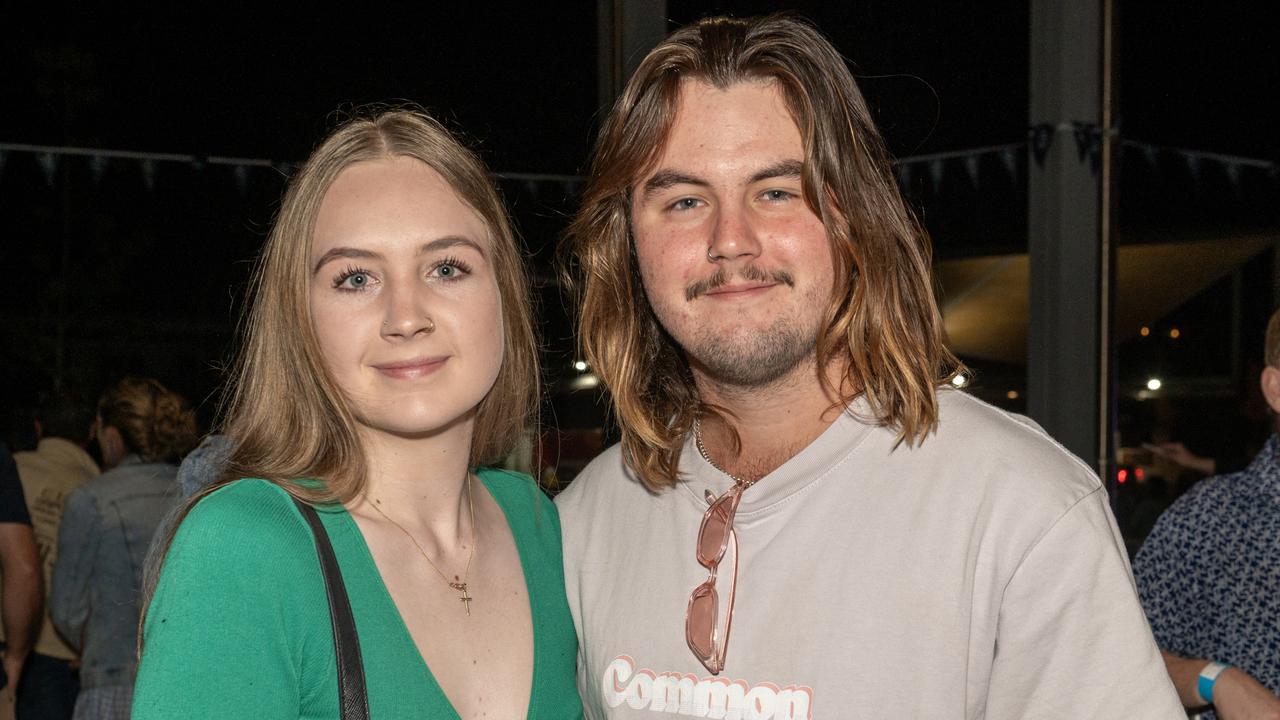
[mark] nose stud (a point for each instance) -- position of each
(429, 328)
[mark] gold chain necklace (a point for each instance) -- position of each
(459, 585)
(702, 450)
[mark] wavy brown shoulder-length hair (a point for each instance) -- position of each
(882, 325)
(284, 415)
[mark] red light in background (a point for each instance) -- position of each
(1122, 475)
(1137, 473)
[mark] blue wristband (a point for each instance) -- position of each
(1208, 678)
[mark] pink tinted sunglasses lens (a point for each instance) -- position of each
(701, 624)
(713, 537)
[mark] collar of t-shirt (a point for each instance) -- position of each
(842, 438)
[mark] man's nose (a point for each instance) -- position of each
(734, 235)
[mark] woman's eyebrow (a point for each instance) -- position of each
(344, 252)
(449, 241)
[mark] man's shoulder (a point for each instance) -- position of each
(1209, 500)
(601, 480)
(985, 443)
(57, 461)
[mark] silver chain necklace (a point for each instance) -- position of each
(702, 450)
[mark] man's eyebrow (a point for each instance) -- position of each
(786, 168)
(664, 179)
(344, 252)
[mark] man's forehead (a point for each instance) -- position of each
(699, 105)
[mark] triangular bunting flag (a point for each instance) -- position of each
(971, 167)
(1041, 139)
(1233, 173)
(149, 174)
(1193, 165)
(1010, 162)
(49, 164)
(97, 166)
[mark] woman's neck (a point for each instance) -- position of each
(420, 483)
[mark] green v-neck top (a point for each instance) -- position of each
(239, 624)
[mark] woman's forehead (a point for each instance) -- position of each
(395, 202)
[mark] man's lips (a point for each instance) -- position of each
(409, 369)
(735, 290)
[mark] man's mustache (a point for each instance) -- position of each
(750, 273)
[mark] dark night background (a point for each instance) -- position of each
(119, 268)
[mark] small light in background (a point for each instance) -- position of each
(1122, 476)
(1145, 331)
(584, 382)
(1175, 333)
(1012, 394)
(1154, 384)
(580, 366)
(960, 380)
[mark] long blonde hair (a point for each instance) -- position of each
(883, 320)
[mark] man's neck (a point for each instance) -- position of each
(773, 422)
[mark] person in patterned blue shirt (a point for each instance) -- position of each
(1209, 579)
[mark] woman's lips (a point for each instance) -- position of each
(411, 369)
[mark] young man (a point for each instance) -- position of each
(758, 300)
(50, 473)
(1209, 577)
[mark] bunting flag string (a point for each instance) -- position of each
(975, 164)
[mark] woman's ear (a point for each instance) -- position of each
(112, 445)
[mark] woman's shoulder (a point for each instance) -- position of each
(515, 490)
(249, 516)
(529, 510)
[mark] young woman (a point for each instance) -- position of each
(143, 430)
(388, 356)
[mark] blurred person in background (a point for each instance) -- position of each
(21, 588)
(1209, 579)
(144, 430)
(57, 466)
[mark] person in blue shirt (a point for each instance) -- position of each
(1209, 579)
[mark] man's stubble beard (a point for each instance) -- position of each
(748, 359)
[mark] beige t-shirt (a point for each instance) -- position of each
(49, 474)
(978, 575)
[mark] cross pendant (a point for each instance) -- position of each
(466, 599)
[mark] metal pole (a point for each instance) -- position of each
(1065, 337)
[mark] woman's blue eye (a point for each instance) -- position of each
(352, 279)
(448, 271)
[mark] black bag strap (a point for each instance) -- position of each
(353, 697)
